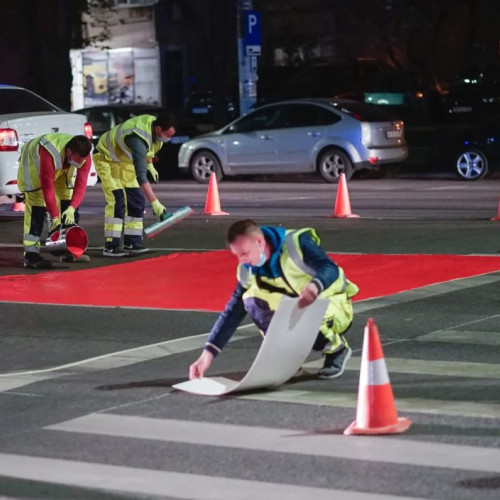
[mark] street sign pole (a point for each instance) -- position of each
(248, 49)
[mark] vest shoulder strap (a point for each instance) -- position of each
(292, 246)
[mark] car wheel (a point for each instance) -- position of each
(203, 164)
(334, 162)
(471, 165)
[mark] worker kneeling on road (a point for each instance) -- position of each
(124, 156)
(46, 175)
(274, 262)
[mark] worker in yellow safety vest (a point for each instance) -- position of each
(123, 157)
(53, 171)
(274, 262)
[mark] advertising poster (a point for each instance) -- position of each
(95, 79)
(121, 77)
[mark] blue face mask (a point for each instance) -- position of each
(163, 139)
(262, 260)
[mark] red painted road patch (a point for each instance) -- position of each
(204, 280)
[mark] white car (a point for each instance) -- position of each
(25, 115)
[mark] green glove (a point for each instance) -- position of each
(154, 173)
(158, 209)
(55, 225)
(68, 216)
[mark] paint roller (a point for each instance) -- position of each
(160, 226)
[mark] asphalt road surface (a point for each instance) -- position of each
(86, 405)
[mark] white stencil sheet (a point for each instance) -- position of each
(285, 347)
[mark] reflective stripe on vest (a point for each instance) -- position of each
(294, 254)
(114, 140)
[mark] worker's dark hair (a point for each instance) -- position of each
(165, 120)
(80, 144)
(242, 228)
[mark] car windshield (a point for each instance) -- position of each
(363, 112)
(22, 101)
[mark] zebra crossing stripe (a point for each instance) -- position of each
(348, 400)
(372, 448)
(15, 380)
(164, 483)
(426, 367)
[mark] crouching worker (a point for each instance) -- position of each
(46, 175)
(274, 262)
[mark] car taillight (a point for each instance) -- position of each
(8, 139)
(87, 129)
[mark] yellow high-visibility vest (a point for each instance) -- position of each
(28, 174)
(295, 275)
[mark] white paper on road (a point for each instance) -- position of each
(287, 344)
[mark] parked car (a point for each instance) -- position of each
(298, 136)
(25, 115)
(200, 106)
(475, 93)
(412, 96)
(105, 117)
(471, 152)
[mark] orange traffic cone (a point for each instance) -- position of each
(18, 206)
(342, 203)
(498, 216)
(376, 412)
(212, 204)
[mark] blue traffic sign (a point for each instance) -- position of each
(251, 32)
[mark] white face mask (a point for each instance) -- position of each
(262, 258)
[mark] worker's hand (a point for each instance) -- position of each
(201, 365)
(68, 216)
(154, 173)
(308, 294)
(158, 209)
(55, 226)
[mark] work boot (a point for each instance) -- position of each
(335, 363)
(33, 260)
(114, 252)
(135, 249)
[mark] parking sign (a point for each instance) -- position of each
(251, 32)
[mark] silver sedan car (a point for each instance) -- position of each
(298, 136)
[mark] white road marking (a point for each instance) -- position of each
(127, 357)
(427, 367)
(317, 443)
(345, 400)
(138, 481)
(476, 337)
